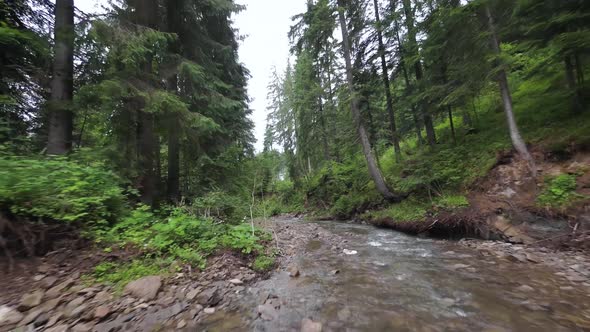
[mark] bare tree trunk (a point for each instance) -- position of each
(325, 145)
(389, 100)
(408, 83)
(374, 171)
(173, 179)
(515, 136)
(450, 111)
(59, 140)
(428, 123)
(146, 15)
(572, 84)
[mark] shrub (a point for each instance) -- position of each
(559, 191)
(60, 190)
(263, 263)
(183, 236)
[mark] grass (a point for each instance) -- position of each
(120, 274)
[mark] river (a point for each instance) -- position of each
(397, 282)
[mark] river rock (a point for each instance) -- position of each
(209, 310)
(48, 282)
(459, 266)
(58, 328)
(307, 325)
(293, 272)
(102, 312)
(56, 291)
(9, 316)
(31, 300)
(81, 327)
(192, 294)
(267, 312)
(525, 288)
(75, 308)
(31, 316)
(236, 282)
(349, 252)
(210, 296)
(146, 288)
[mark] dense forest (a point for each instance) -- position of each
(128, 132)
(414, 102)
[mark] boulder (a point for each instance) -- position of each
(146, 288)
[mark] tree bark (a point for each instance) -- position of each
(146, 15)
(427, 118)
(173, 178)
(386, 84)
(452, 124)
(401, 50)
(573, 84)
(59, 140)
(374, 170)
(515, 136)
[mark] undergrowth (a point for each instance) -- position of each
(559, 191)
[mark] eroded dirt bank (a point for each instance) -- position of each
(505, 206)
(330, 275)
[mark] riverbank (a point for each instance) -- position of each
(551, 210)
(54, 295)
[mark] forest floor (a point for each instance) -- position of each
(504, 205)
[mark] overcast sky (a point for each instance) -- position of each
(265, 23)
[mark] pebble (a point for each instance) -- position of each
(209, 310)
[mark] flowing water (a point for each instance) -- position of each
(400, 283)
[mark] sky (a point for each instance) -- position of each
(265, 25)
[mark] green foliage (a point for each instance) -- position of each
(220, 206)
(559, 191)
(120, 274)
(61, 190)
(182, 236)
(409, 210)
(263, 263)
(450, 202)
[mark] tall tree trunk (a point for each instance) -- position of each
(374, 170)
(325, 144)
(415, 53)
(173, 179)
(387, 87)
(573, 84)
(59, 140)
(146, 15)
(450, 111)
(515, 136)
(402, 60)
